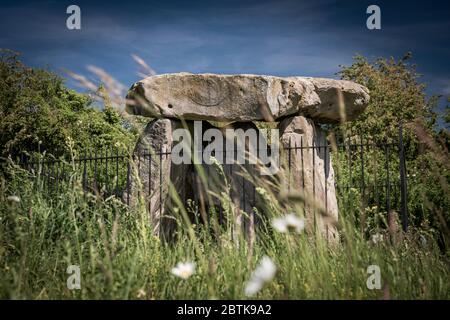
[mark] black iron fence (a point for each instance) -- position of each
(372, 173)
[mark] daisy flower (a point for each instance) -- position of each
(184, 269)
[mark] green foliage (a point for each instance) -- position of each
(40, 114)
(396, 96)
(444, 133)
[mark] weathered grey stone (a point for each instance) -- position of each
(243, 191)
(153, 170)
(243, 97)
(337, 98)
(311, 171)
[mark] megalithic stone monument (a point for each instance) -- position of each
(298, 104)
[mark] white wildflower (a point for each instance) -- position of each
(262, 274)
(184, 270)
(377, 237)
(289, 222)
(423, 240)
(141, 294)
(14, 199)
(252, 287)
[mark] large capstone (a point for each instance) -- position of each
(245, 97)
(340, 100)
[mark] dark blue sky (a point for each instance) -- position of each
(308, 38)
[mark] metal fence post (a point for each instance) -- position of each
(388, 182)
(129, 178)
(84, 173)
(403, 182)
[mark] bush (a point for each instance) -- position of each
(40, 114)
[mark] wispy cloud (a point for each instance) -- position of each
(271, 37)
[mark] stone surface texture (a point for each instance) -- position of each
(153, 171)
(311, 171)
(245, 97)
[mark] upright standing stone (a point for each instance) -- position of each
(311, 171)
(153, 171)
(242, 189)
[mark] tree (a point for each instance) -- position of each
(40, 114)
(396, 96)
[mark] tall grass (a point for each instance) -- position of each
(119, 257)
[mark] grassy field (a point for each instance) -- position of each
(120, 259)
